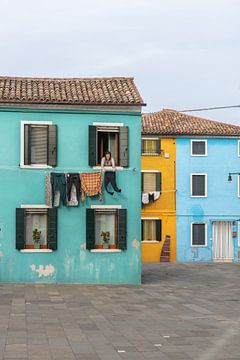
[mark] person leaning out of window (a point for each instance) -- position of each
(109, 169)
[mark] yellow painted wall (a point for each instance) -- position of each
(165, 207)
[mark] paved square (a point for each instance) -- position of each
(182, 311)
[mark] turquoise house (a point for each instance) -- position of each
(51, 129)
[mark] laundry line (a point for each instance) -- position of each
(60, 169)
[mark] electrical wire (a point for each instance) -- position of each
(212, 108)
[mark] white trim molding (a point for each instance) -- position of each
(35, 207)
(106, 206)
(150, 171)
(108, 124)
(150, 218)
(22, 165)
(206, 232)
(206, 147)
(36, 251)
(106, 250)
(206, 187)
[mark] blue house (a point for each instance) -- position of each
(57, 221)
(207, 203)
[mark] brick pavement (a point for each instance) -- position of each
(182, 311)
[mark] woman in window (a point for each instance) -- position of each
(108, 167)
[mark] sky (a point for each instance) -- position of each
(183, 54)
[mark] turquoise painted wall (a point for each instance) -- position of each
(222, 202)
(71, 262)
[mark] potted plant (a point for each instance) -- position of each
(36, 235)
(106, 238)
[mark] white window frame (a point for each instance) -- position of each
(238, 233)
(35, 250)
(150, 241)
(238, 148)
(206, 232)
(34, 166)
(199, 140)
(206, 183)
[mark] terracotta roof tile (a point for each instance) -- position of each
(172, 122)
(78, 91)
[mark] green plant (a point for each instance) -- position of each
(36, 235)
(106, 236)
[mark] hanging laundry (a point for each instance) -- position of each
(153, 196)
(91, 184)
(110, 177)
(73, 188)
(58, 182)
(145, 198)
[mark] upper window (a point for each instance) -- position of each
(36, 228)
(199, 234)
(39, 144)
(151, 146)
(199, 185)
(106, 229)
(199, 147)
(111, 138)
(151, 181)
(151, 230)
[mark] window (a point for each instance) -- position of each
(36, 228)
(199, 147)
(199, 185)
(198, 234)
(151, 230)
(151, 181)
(151, 146)
(106, 228)
(38, 144)
(104, 138)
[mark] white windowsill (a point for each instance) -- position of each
(35, 166)
(36, 250)
(151, 154)
(150, 242)
(108, 168)
(106, 250)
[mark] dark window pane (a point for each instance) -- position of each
(39, 147)
(198, 185)
(198, 234)
(198, 147)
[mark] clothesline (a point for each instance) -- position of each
(59, 169)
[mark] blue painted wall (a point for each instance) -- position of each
(222, 202)
(70, 263)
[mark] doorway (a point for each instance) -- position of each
(222, 241)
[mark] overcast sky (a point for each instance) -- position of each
(183, 54)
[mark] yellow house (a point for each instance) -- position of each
(158, 190)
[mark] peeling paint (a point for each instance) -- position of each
(83, 246)
(135, 243)
(48, 270)
(1, 254)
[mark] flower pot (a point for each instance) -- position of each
(99, 246)
(43, 246)
(29, 246)
(112, 246)
(105, 246)
(36, 245)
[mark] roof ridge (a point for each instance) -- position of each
(67, 78)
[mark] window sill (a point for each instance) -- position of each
(151, 154)
(36, 167)
(108, 168)
(106, 250)
(150, 242)
(36, 250)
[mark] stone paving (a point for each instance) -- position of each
(182, 311)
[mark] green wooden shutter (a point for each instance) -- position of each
(142, 146)
(158, 147)
(123, 146)
(142, 229)
(52, 145)
(90, 229)
(142, 181)
(20, 228)
(92, 145)
(52, 229)
(159, 230)
(122, 229)
(27, 144)
(158, 181)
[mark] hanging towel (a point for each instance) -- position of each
(156, 195)
(145, 198)
(91, 184)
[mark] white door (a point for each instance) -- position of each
(222, 241)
